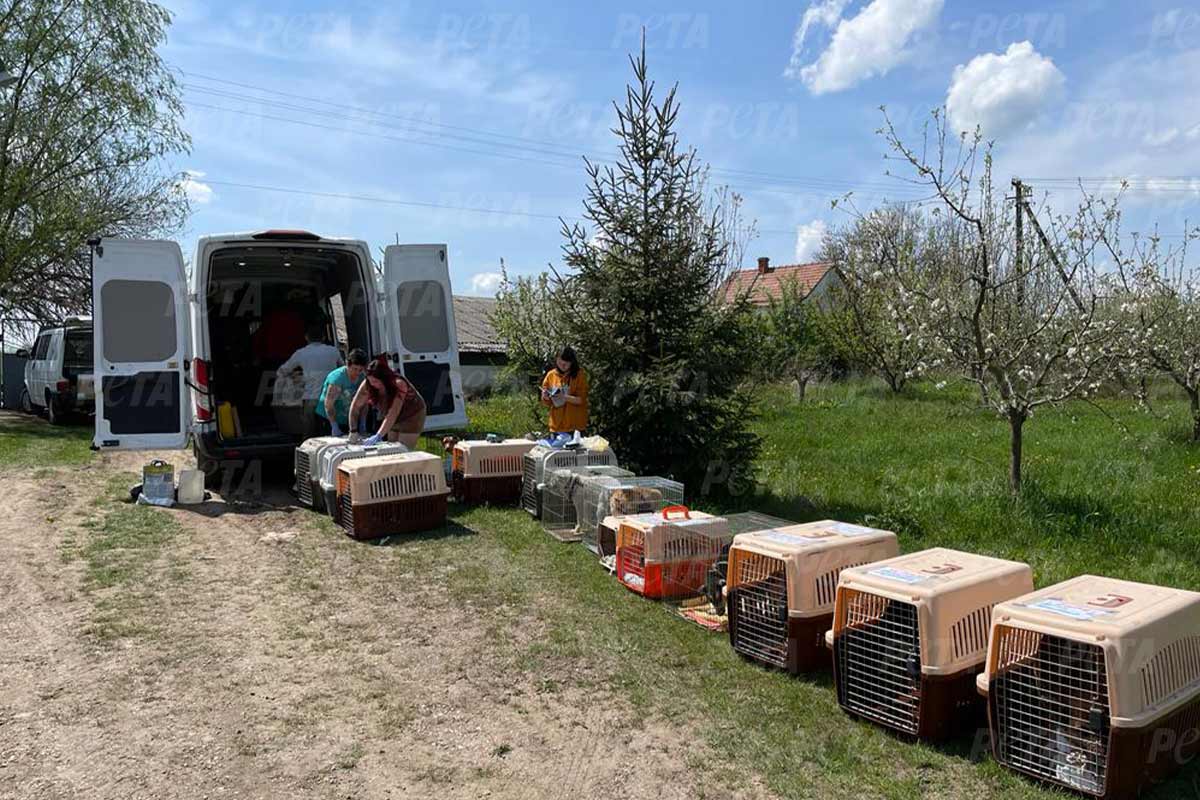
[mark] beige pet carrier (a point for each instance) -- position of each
(383, 495)
(666, 555)
(782, 584)
(1094, 684)
(306, 469)
(488, 472)
(910, 636)
(331, 457)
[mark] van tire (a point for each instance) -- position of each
(53, 412)
(26, 402)
(211, 469)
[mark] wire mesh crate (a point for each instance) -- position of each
(559, 493)
(782, 586)
(488, 472)
(384, 495)
(741, 522)
(597, 498)
(541, 461)
(1094, 684)
(666, 555)
(332, 457)
(910, 636)
(306, 459)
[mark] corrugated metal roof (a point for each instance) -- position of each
(473, 318)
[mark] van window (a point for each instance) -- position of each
(422, 309)
(77, 348)
(39, 349)
(139, 321)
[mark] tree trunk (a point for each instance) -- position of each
(1194, 397)
(1016, 422)
(801, 387)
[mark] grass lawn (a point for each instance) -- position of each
(31, 442)
(1113, 491)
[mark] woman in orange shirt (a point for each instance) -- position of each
(565, 393)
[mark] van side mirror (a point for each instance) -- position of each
(22, 353)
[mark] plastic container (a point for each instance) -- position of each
(191, 487)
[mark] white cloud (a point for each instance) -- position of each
(1002, 92)
(486, 283)
(868, 44)
(808, 240)
(195, 190)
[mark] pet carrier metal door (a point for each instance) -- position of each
(142, 345)
(760, 606)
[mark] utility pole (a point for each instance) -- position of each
(1019, 189)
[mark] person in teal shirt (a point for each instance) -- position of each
(340, 385)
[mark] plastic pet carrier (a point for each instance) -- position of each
(559, 493)
(668, 554)
(306, 463)
(332, 457)
(1094, 684)
(488, 472)
(782, 586)
(541, 461)
(600, 497)
(384, 495)
(910, 636)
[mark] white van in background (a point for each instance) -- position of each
(58, 374)
(174, 351)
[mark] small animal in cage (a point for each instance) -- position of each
(910, 636)
(634, 500)
(1094, 684)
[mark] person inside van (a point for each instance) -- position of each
(314, 361)
(565, 393)
(282, 330)
(340, 387)
(395, 399)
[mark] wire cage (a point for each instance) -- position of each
(560, 489)
(741, 522)
(598, 498)
(1094, 684)
(332, 457)
(782, 585)
(667, 555)
(909, 638)
(488, 472)
(541, 461)
(306, 460)
(384, 495)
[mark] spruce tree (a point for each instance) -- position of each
(668, 358)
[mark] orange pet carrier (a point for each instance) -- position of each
(1094, 684)
(384, 495)
(488, 472)
(782, 584)
(667, 555)
(910, 636)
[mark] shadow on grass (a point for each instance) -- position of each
(451, 530)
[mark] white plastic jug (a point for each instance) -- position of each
(191, 487)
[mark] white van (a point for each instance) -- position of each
(174, 352)
(58, 374)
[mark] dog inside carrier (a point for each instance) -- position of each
(597, 498)
(393, 494)
(331, 457)
(541, 460)
(307, 486)
(782, 586)
(666, 555)
(488, 472)
(741, 522)
(561, 489)
(1094, 684)
(910, 634)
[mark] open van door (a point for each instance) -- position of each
(420, 320)
(142, 343)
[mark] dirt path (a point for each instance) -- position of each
(265, 656)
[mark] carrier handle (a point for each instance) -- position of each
(677, 509)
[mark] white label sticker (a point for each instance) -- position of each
(1067, 610)
(774, 535)
(902, 575)
(847, 529)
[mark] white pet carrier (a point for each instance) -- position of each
(333, 456)
(308, 453)
(541, 460)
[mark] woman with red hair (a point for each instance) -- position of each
(397, 401)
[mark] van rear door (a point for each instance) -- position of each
(420, 321)
(142, 341)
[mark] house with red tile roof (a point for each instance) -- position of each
(765, 282)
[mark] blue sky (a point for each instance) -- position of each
(387, 123)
